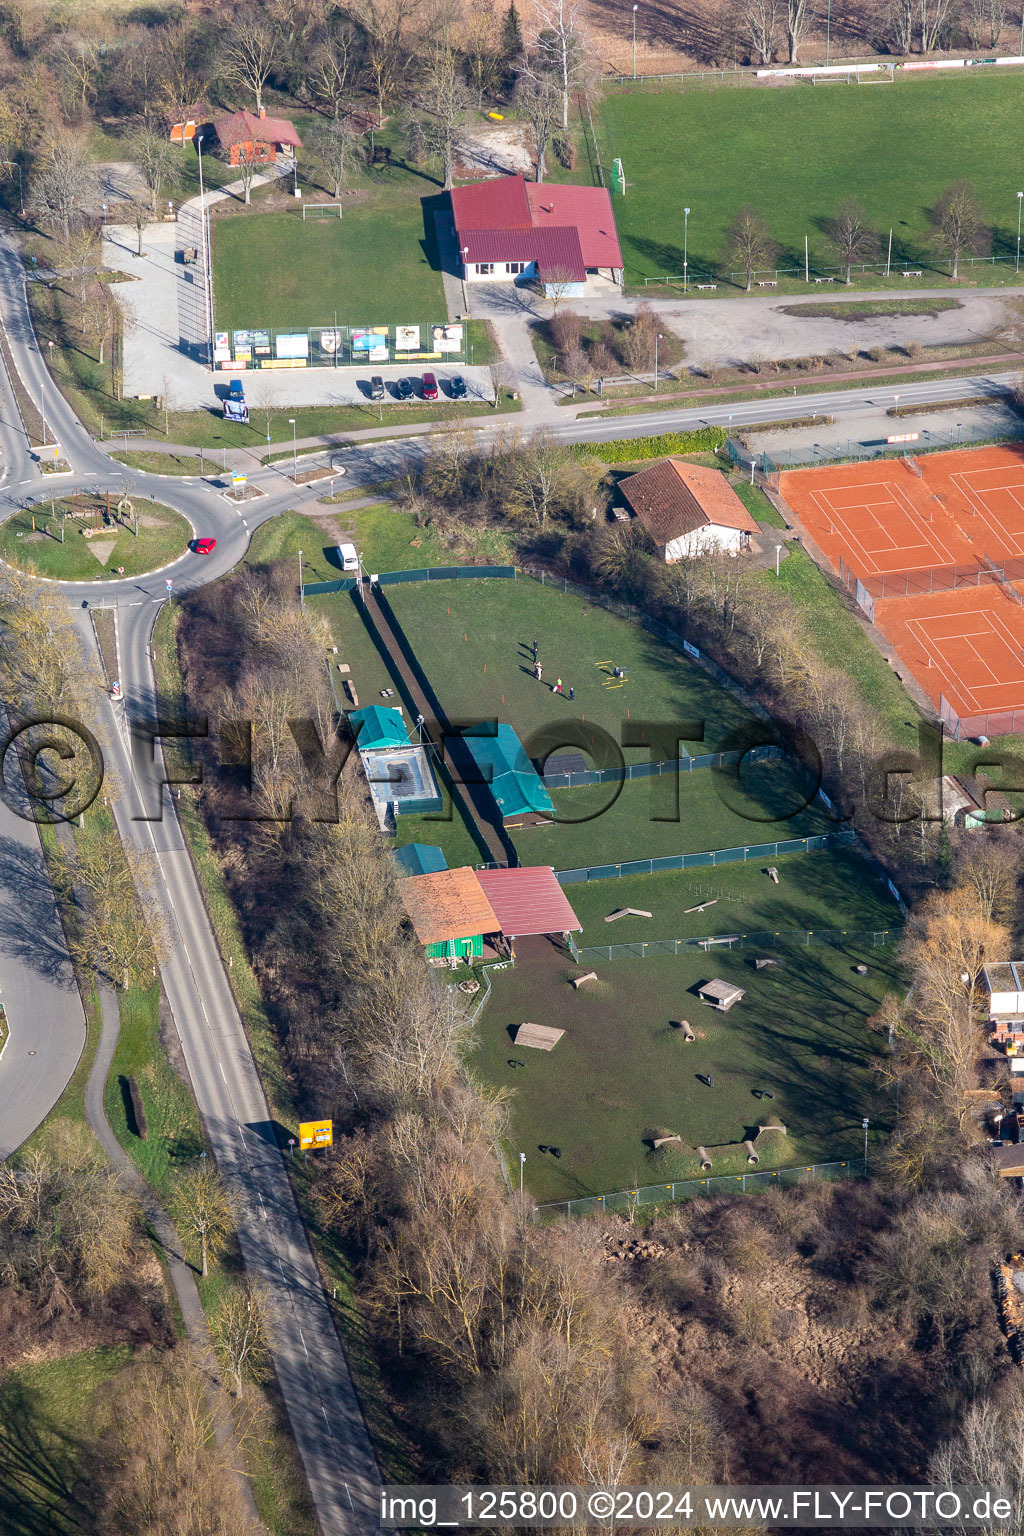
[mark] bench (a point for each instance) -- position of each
(824, 279)
(918, 273)
(705, 286)
(771, 283)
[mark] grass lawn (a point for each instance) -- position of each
(31, 541)
(158, 463)
(794, 153)
(49, 1417)
(474, 640)
(373, 266)
(621, 1072)
(714, 812)
(757, 503)
(175, 1132)
(871, 309)
(832, 889)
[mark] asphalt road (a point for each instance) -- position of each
(323, 1410)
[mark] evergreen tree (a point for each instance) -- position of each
(511, 38)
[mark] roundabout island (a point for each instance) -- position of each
(88, 535)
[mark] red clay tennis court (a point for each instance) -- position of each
(937, 559)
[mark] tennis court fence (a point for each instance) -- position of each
(627, 1200)
(934, 578)
(804, 938)
(996, 722)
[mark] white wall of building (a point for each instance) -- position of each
(500, 271)
(702, 540)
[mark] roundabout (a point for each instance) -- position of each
(92, 535)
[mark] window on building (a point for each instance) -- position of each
(484, 268)
(515, 267)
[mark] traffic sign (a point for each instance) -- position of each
(238, 478)
(315, 1133)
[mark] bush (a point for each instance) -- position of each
(625, 450)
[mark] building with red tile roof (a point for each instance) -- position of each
(246, 136)
(687, 509)
(507, 228)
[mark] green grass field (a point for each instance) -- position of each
(31, 540)
(474, 640)
(794, 153)
(175, 1132)
(374, 266)
(621, 1072)
(50, 1414)
(833, 889)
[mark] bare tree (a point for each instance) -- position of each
(332, 66)
(983, 21)
(750, 244)
(562, 47)
(538, 101)
(158, 160)
(251, 54)
(120, 929)
(98, 317)
(446, 102)
(502, 376)
(960, 223)
(332, 145)
(758, 22)
(63, 184)
(247, 167)
(798, 17)
(202, 1210)
(559, 285)
(240, 1329)
(139, 215)
(934, 16)
(850, 233)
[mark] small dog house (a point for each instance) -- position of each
(719, 994)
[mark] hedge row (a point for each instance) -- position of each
(623, 450)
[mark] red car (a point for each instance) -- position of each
(205, 546)
(429, 387)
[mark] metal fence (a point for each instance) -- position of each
(854, 452)
(709, 860)
(933, 578)
(427, 573)
(714, 1184)
(629, 771)
(804, 938)
(998, 722)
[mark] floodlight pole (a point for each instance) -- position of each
(865, 1123)
(888, 259)
(1020, 198)
(302, 599)
(522, 1155)
(657, 338)
(635, 9)
(828, 31)
(686, 224)
(295, 461)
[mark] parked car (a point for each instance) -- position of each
(404, 389)
(429, 387)
(235, 389)
(205, 546)
(457, 385)
(347, 557)
(376, 387)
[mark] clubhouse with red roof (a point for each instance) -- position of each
(508, 228)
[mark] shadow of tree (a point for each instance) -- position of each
(29, 930)
(42, 1491)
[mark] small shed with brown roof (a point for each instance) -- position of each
(449, 912)
(255, 138)
(688, 509)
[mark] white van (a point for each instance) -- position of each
(347, 557)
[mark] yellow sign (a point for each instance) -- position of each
(315, 1133)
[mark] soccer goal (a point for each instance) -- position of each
(884, 75)
(321, 210)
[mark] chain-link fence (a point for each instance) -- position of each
(710, 859)
(805, 938)
(626, 1200)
